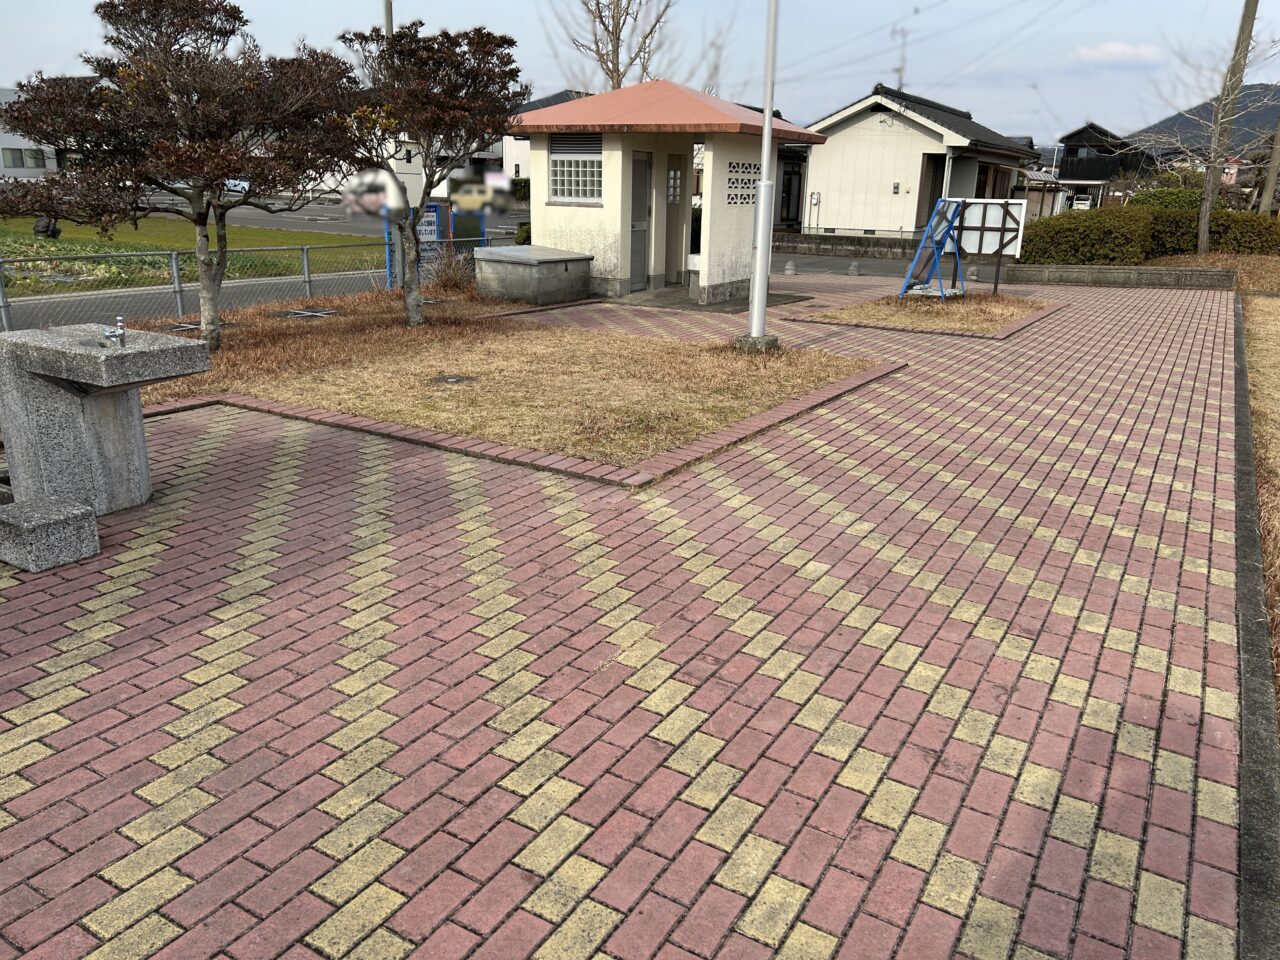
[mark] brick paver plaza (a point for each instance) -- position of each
(948, 665)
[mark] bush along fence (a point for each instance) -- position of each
(1128, 236)
(56, 290)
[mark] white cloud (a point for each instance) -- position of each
(1119, 53)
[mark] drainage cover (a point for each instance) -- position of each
(453, 378)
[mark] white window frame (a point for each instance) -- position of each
(575, 178)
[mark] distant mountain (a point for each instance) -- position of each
(1259, 111)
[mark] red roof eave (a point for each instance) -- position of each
(786, 136)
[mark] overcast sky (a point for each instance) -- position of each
(1038, 68)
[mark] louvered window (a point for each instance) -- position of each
(577, 167)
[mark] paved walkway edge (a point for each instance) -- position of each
(642, 474)
(1004, 333)
(1259, 747)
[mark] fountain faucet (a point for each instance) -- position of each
(114, 335)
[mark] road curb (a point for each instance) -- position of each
(1259, 837)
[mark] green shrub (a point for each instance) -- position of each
(524, 235)
(1234, 231)
(1131, 235)
(1172, 232)
(520, 188)
(1168, 198)
(1118, 235)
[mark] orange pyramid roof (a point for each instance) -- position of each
(658, 106)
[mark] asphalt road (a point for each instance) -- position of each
(334, 218)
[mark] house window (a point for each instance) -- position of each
(673, 186)
(577, 168)
(16, 159)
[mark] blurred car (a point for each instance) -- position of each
(475, 197)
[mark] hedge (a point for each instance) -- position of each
(1131, 235)
(520, 188)
(1168, 198)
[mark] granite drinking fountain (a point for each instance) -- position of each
(74, 444)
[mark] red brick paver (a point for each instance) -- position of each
(946, 665)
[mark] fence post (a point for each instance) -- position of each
(176, 276)
(6, 313)
(306, 272)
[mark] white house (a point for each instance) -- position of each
(889, 156)
(609, 176)
(19, 157)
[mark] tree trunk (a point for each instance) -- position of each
(409, 285)
(1223, 118)
(210, 282)
(1212, 181)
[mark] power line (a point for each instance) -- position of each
(843, 45)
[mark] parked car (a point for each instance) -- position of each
(475, 197)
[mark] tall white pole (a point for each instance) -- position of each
(764, 188)
(387, 18)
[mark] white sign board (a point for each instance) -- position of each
(991, 227)
(428, 228)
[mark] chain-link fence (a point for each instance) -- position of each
(90, 288)
(52, 291)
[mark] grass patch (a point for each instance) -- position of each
(610, 397)
(1254, 272)
(975, 313)
(162, 232)
(1262, 348)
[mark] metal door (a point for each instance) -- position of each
(641, 164)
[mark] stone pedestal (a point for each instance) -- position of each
(44, 533)
(72, 414)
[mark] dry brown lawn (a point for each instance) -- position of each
(602, 396)
(1254, 272)
(1262, 347)
(977, 313)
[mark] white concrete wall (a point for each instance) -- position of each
(594, 228)
(515, 153)
(856, 168)
(728, 214)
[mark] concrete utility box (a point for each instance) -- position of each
(72, 414)
(532, 274)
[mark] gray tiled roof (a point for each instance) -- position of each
(957, 121)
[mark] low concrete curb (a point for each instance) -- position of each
(1097, 275)
(1259, 836)
(1004, 333)
(631, 478)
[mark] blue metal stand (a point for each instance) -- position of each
(939, 232)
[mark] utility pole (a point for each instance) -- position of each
(397, 238)
(756, 340)
(389, 22)
(1223, 116)
(902, 55)
(1273, 168)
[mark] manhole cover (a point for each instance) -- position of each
(177, 327)
(453, 378)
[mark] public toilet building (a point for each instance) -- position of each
(610, 176)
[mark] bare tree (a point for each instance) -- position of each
(611, 43)
(620, 40)
(445, 96)
(185, 117)
(1212, 133)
